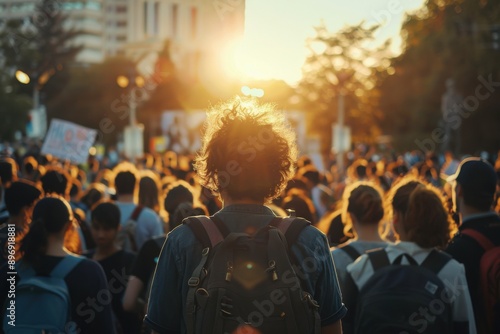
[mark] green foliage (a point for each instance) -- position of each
(343, 62)
(445, 39)
(14, 109)
(93, 98)
(40, 46)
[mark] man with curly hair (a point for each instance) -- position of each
(247, 158)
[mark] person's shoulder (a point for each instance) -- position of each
(87, 265)
(127, 255)
(179, 232)
(147, 213)
(89, 254)
(310, 233)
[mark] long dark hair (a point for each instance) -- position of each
(50, 216)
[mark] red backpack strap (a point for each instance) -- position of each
(489, 267)
(137, 211)
(485, 243)
(208, 230)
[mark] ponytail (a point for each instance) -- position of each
(50, 216)
(34, 243)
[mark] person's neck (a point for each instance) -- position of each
(368, 232)
(55, 245)
(126, 198)
(229, 201)
(103, 252)
(467, 211)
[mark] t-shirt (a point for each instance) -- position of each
(467, 251)
(88, 290)
(117, 269)
(145, 263)
(452, 275)
(342, 259)
(182, 253)
(149, 224)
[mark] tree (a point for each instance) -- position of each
(446, 39)
(343, 63)
(14, 109)
(40, 46)
(93, 98)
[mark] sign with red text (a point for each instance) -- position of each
(68, 141)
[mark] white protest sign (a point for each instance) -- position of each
(68, 141)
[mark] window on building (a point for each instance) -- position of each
(145, 17)
(156, 15)
(93, 5)
(175, 10)
(194, 21)
(121, 9)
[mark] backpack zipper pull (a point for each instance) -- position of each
(229, 272)
(272, 269)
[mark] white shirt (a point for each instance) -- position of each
(452, 274)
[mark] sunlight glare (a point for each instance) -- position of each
(22, 77)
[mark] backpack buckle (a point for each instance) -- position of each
(194, 281)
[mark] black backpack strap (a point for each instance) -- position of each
(209, 231)
(378, 258)
(398, 260)
(193, 283)
(435, 261)
(290, 227)
(351, 251)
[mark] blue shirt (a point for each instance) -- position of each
(182, 253)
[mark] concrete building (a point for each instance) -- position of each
(86, 16)
(199, 30)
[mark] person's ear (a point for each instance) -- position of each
(353, 218)
(459, 190)
(396, 218)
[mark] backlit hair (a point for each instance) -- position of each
(248, 150)
(364, 200)
(423, 212)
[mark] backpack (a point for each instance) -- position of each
(126, 236)
(42, 303)
(489, 278)
(247, 282)
(351, 251)
(404, 298)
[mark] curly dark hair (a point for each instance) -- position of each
(248, 151)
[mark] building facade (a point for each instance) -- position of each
(198, 30)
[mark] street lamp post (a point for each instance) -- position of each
(38, 116)
(133, 136)
(340, 137)
(342, 77)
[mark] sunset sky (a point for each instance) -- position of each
(276, 30)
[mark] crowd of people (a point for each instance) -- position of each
(133, 259)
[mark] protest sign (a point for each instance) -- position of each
(68, 141)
